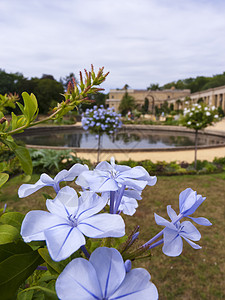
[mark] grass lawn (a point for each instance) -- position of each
(195, 274)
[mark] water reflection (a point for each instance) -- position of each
(124, 139)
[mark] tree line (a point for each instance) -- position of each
(200, 83)
(47, 89)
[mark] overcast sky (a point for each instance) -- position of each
(138, 41)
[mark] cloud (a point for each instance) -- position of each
(138, 41)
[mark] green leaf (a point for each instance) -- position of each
(56, 266)
(8, 234)
(22, 153)
(7, 250)
(36, 244)
(30, 105)
(21, 107)
(49, 293)
(25, 295)
(3, 178)
(15, 270)
(17, 121)
(24, 157)
(14, 219)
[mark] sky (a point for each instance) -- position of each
(138, 41)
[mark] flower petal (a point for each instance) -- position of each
(71, 174)
(201, 221)
(104, 166)
(173, 244)
(28, 189)
(45, 178)
(91, 204)
(110, 269)
(103, 225)
(63, 240)
(198, 202)
(161, 221)
(187, 199)
(78, 281)
(136, 285)
(171, 213)
(133, 194)
(193, 245)
(128, 206)
(35, 223)
(189, 231)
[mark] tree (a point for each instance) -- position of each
(48, 92)
(145, 106)
(127, 103)
(153, 87)
(65, 80)
(197, 117)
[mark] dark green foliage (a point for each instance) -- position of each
(53, 161)
(127, 103)
(47, 90)
(145, 106)
(174, 168)
(199, 83)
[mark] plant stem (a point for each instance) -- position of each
(196, 146)
(99, 148)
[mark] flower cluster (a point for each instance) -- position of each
(101, 120)
(108, 192)
(199, 116)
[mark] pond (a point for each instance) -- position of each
(124, 139)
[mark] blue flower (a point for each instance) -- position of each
(104, 277)
(68, 220)
(189, 201)
(173, 233)
(45, 180)
(110, 177)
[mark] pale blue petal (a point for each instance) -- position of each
(132, 183)
(151, 180)
(173, 244)
(58, 209)
(71, 174)
(189, 231)
(198, 202)
(134, 173)
(45, 178)
(28, 189)
(187, 199)
(104, 166)
(201, 221)
(135, 286)
(35, 223)
(91, 204)
(133, 194)
(81, 180)
(102, 184)
(68, 197)
(78, 281)
(128, 206)
(161, 221)
(171, 213)
(76, 170)
(121, 168)
(63, 240)
(109, 267)
(193, 245)
(59, 205)
(103, 225)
